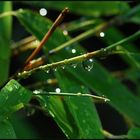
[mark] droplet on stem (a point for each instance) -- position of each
(57, 90)
(74, 65)
(47, 70)
(63, 67)
(88, 64)
(55, 69)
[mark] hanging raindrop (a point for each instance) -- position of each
(63, 67)
(74, 65)
(88, 64)
(47, 70)
(55, 69)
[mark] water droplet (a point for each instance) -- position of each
(55, 69)
(102, 34)
(105, 100)
(63, 67)
(57, 90)
(65, 32)
(88, 64)
(74, 65)
(10, 88)
(45, 105)
(36, 92)
(47, 70)
(43, 12)
(73, 51)
(79, 93)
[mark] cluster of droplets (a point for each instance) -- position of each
(88, 64)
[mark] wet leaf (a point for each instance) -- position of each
(5, 35)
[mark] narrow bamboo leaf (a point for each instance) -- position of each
(133, 57)
(5, 35)
(134, 15)
(92, 8)
(98, 79)
(134, 76)
(80, 24)
(113, 35)
(12, 98)
(74, 115)
(59, 111)
(134, 133)
(83, 109)
(81, 124)
(6, 130)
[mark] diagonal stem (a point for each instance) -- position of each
(48, 34)
(99, 53)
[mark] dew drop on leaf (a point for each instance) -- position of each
(88, 64)
(57, 90)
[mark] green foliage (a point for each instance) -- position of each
(76, 116)
(95, 9)
(134, 133)
(12, 98)
(5, 35)
(6, 130)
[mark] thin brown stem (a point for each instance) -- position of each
(48, 34)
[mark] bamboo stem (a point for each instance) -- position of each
(99, 53)
(38, 92)
(48, 34)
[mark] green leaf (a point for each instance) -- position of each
(26, 130)
(133, 57)
(113, 35)
(134, 133)
(12, 98)
(134, 15)
(92, 8)
(6, 130)
(5, 35)
(82, 109)
(76, 116)
(59, 111)
(98, 79)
